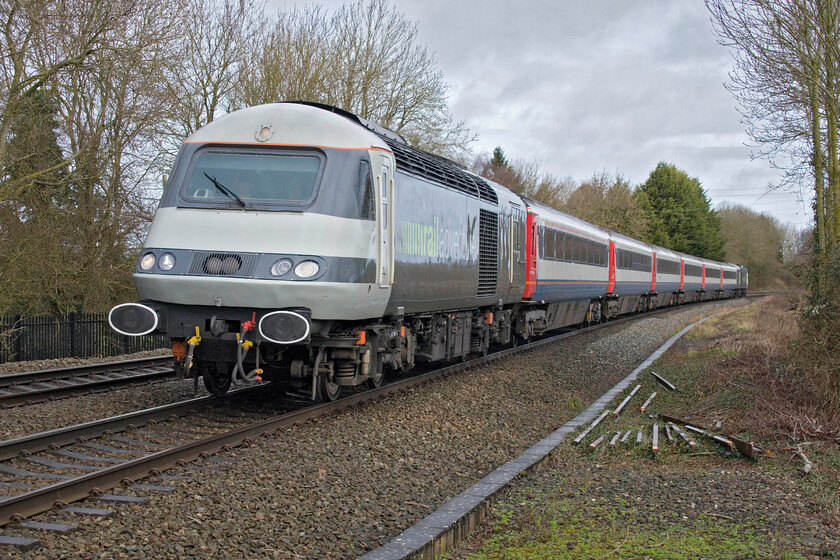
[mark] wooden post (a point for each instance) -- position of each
(625, 401)
(655, 441)
(584, 433)
(647, 402)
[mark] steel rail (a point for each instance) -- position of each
(21, 388)
(46, 498)
(60, 437)
(77, 371)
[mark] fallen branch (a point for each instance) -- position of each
(807, 465)
(748, 449)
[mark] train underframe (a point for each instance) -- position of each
(341, 354)
(345, 354)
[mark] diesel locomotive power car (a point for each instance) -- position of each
(297, 242)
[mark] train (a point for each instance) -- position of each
(298, 243)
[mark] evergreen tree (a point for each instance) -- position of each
(499, 159)
(680, 215)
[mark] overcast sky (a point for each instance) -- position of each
(601, 85)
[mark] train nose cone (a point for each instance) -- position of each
(133, 319)
(284, 327)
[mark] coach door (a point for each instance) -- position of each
(386, 225)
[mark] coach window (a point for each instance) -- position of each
(550, 240)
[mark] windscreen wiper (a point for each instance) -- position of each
(226, 191)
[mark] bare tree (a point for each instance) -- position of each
(759, 242)
(366, 59)
(76, 147)
(217, 39)
(787, 79)
(525, 178)
(290, 61)
(111, 115)
(40, 40)
(608, 202)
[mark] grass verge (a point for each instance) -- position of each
(625, 501)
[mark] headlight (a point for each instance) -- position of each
(307, 269)
(281, 267)
(167, 261)
(231, 265)
(213, 265)
(148, 261)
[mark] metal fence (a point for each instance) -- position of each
(76, 335)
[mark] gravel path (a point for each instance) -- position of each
(339, 486)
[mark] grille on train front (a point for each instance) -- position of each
(223, 264)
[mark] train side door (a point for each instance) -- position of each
(386, 225)
(518, 242)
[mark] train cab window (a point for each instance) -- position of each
(365, 199)
(247, 179)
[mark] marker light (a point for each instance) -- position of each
(148, 261)
(307, 269)
(167, 261)
(281, 267)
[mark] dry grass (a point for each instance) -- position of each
(768, 362)
(760, 370)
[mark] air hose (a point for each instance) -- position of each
(237, 375)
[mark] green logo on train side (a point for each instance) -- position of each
(436, 241)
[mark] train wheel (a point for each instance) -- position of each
(375, 380)
(216, 378)
(328, 390)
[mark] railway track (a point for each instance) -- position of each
(63, 466)
(19, 389)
